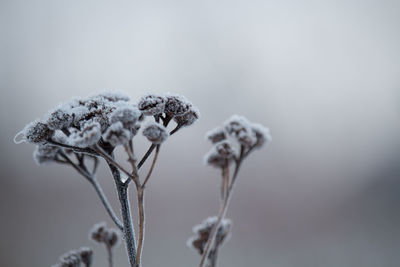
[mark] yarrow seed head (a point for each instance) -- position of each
(59, 118)
(176, 105)
(152, 104)
(70, 259)
(128, 115)
(155, 133)
(86, 255)
(262, 134)
(220, 155)
(97, 232)
(239, 128)
(101, 234)
(36, 132)
(116, 134)
(216, 135)
(203, 231)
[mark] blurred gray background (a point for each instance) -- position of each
(323, 75)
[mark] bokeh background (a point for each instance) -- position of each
(323, 75)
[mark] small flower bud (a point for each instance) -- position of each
(116, 134)
(89, 135)
(188, 118)
(176, 105)
(97, 232)
(151, 104)
(128, 115)
(70, 259)
(86, 255)
(45, 153)
(262, 134)
(239, 127)
(36, 132)
(111, 237)
(215, 135)
(59, 118)
(155, 133)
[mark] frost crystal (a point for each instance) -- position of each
(128, 115)
(203, 231)
(116, 134)
(239, 127)
(155, 133)
(215, 135)
(89, 135)
(151, 104)
(45, 153)
(189, 117)
(262, 134)
(37, 132)
(176, 105)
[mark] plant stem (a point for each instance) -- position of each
(129, 232)
(140, 196)
(109, 256)
(221, 214)
(151, 167)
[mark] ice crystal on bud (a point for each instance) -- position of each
(128, 115)
(151, 104)
(155, 133)
(216, 135)
(203, 231)
(45, 153)
(36, 132)
(188, 118)
(116, 134)
(262, 134)
(176, 105)
(89, 135)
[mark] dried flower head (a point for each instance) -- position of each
(45, 153)
(188, 118)
(203, 231)
(155, 133)
(216, 135)
(220, 155)
(101, 234)
(116, 134)
(176, 105)
(35, 132)
(152, 104)
(89, 135)
(111, 237)
(97, 232)
(86, 255)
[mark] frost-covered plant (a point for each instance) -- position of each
(80, 132)
(232, 143)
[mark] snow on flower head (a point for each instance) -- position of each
(89, 135)
(176, 105)
(155, 133)
(239, 127)
(152, 104)
(220, 155)
(45, 153)
(35, 132)
(59, 118)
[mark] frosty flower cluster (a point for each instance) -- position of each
(234, 140)
(108, 119)
(75, 258)
(107, 236)
(203, 231)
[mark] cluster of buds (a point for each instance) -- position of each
(234, 140)
(75, 258)
(108, 119)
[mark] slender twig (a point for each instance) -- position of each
(151, 167)
(111, 161)
(146, 155)
(223, 210)
(140, 196)
(109, 256)
(74, 148)
(93, 181)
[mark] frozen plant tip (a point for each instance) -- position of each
(155, 133)
(152, 104)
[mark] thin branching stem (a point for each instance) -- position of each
(151, 167)
(93, 181)
(140, 196)
(109, 256)
(111, 161)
